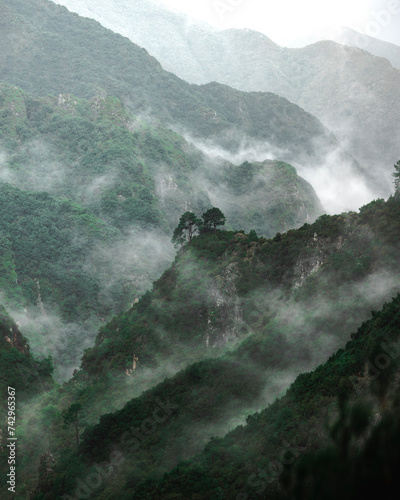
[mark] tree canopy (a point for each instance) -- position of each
(188, 225)
(213, 218)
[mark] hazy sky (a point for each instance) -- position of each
(286, 20)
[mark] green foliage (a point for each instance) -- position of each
(188, 225)
(41, 249)
(72, 416)
(213, 218)
(45, 366)
(18, 368)
(64, 51)
(289, 435)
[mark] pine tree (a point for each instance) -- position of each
(188, 226)
(396, 176)
(213, 218)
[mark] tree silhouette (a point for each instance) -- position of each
(72, 416)
(213, 218)
(396, 176)
(188, 225)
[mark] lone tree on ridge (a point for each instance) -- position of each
(213, 218)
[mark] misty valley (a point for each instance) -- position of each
(199, 259)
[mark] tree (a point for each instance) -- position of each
(72, 416)
(188, 225)
(396, 176)
(213, 218)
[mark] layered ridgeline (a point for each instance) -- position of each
(240, 316)
(352, 92)
(58, 52)
(128, 171)
(89, 197)
(335, 433)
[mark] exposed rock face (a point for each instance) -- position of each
(224, 314)
(322, 248)
(11, 334)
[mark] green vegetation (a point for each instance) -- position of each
(18, 368)
(182, 394)
(62, 51)
(188, 225)
(130, 173)
(213, 218)
(45, 245)
(260, 457)
(98, 192)
(275, 453)
(72, 417)
(233, 316)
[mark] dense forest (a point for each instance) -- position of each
(180, 317)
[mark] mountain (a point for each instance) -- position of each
(285, 451)
(205, 376)
(347, 36)
(63, 53)
(353, 93)
(90, 195)
(19, 369)
(142, 22)
(223, 332)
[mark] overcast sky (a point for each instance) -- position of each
(286, 20)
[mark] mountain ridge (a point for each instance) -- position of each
(336, 83)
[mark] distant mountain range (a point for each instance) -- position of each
(47, 50)
(353, 93)
(347, 36)
(186, 375)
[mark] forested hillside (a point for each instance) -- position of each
(172, 290)
(352, 92)
(63, 53)
(18, 368)
(334, 434)
(230, 325)
(89, 196)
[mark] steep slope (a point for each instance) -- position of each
(231, 282)
(142, 22)
(19, 369)
(353, 93)
(48, 277)
(63, 53)
(127, 171)
(262, 310)
(357, 459)
(22, 378)
(70, 265)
